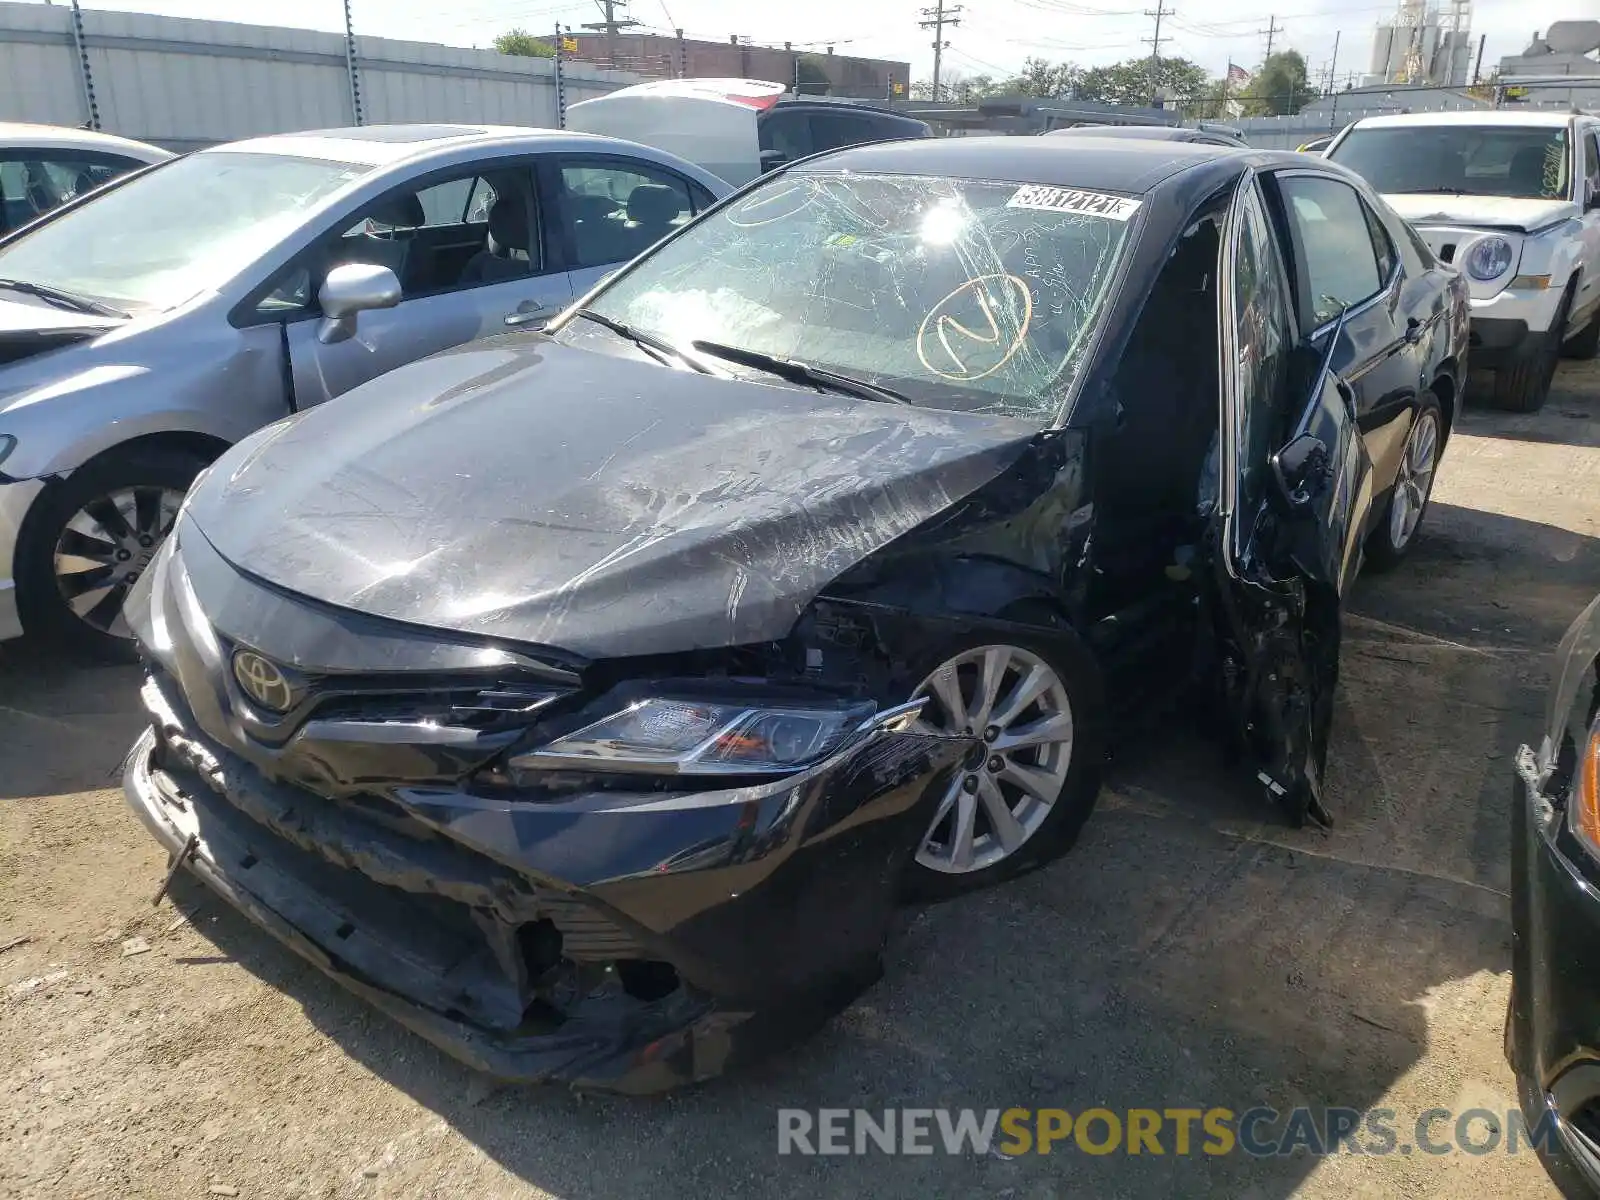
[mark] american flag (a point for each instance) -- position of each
(1237, 74)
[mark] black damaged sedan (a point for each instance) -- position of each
(586, 700)
(1553, 1025)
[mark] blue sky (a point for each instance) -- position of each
(994, 36)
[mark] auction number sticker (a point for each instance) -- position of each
(1072, 200)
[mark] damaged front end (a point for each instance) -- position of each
(482, 844)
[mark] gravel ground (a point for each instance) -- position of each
(1191, 951)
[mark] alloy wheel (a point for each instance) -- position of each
(1414, 480)
(1016, 702)
(106, 546)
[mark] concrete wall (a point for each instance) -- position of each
(183, 83)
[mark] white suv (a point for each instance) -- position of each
(1512, 199)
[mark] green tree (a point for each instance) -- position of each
(1128, 82)
(1043, 79)
(1279, 87)
(523, 43)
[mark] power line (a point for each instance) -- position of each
(1155, 44)
(936, 18)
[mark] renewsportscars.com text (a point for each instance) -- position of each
(1259, 1132)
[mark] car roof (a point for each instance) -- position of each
(1149, 133)
(1543, 118)
(789, 100)
(381, 145)
(393, 145)
(1129, 165)
(22, 135)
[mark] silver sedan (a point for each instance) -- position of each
(147, 326)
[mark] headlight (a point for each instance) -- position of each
(1490, 258)
(1585, 803)
(8, 443)
(692, 737)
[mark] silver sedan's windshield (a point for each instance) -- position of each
(157, 240)
(960, 294)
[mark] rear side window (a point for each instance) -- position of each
(787, 132)
(830, 131)
(1336, 264)
(616, 211)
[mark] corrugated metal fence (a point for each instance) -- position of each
(182, 83)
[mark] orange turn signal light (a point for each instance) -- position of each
(1586, 794)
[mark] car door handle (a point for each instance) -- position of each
(527, 316)
(1414, 329)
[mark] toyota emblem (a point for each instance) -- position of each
(263, 681)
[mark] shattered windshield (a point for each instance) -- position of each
(1527, 162)
(958, 294)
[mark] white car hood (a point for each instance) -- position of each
(1481, 212)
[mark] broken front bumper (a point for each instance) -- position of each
(626, 942)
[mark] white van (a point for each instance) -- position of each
(737, 128)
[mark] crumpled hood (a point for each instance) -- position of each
(605, 506)
(1487, 212)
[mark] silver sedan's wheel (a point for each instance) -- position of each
(106, 546)
(1018, 704)
(1414, 480)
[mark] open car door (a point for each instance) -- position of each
(1295, 491)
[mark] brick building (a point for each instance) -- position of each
(657, 56)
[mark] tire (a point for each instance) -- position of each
(1523, 384)
(1050, 826)
(74, 526)
(1586, 342)
(1395, 532)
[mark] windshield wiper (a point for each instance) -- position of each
(799, 372)
(660, 347)
(61, 299)
(1430, 191)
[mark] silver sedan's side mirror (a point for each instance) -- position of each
(350, 289)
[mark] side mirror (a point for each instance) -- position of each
(350, 289)
(773, 158)
(1591, 196)
(1299, 467)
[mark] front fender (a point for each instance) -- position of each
(1557, 252)
(221, 390)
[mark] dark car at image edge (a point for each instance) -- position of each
(1553, 1025)
(588, 700)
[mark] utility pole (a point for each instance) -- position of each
(1333, 63)
(1155, 41)
(1271, 33)
(1478, 66)
(611, 25)
(936, 18)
